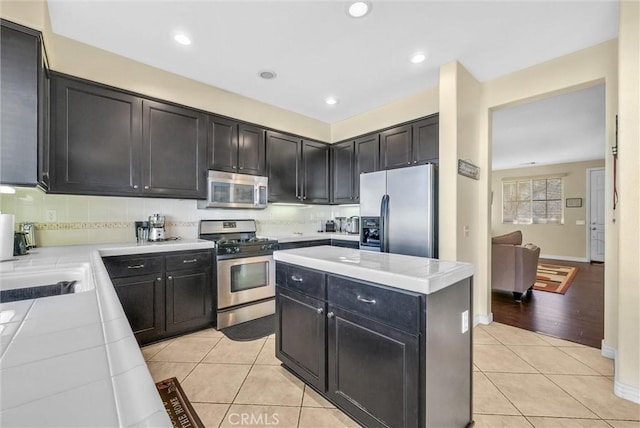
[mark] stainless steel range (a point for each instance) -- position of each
(245, 270)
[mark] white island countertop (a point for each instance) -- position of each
(418, 274)
(72, 360)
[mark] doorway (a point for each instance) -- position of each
(557, 136)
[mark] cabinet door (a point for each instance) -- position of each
(142, 298)
(395, 147)
(189, 302)
(367, 159)
(251, 150)
(315, 161)
(223, 144)
(283, 167)
(174, 146)
(300, 335)
(20, 98)
(96, 144)
(426, 138)
(381, 390)
(343, 162)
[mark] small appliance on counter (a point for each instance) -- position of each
(29, 230)
(341, 224)
(156, 228)
(353, 225)
(19, 244)
(327, 226)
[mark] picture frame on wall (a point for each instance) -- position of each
(573, 202)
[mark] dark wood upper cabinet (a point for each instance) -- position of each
(343, 171)
(251, 150)
(95, 148)
(236, 147)
(21, 98)
(315, 161)
(223, 144)
(367, 159)
(283, 167)
(425, 140)
(174, 148)
(395, 147)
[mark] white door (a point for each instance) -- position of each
(596, 214)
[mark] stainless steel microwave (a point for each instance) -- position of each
(229, 190)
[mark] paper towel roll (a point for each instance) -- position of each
(6, 236)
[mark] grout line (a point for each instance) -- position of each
(304, 391)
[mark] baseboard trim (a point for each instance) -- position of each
(567, 258)
(483, 319)
(607, 351)
(628, 392)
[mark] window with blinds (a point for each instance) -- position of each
(532, 201)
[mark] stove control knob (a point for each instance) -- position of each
(229, 250)
(236, 250)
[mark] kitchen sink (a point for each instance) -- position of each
(33, 284)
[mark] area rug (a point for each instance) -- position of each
(177, 404)
(251, 330)
(554, 278)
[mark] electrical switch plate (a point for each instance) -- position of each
(466, 230)
(50, 215)
(465, 322)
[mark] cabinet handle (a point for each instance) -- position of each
(170, 278)
(136, 266)
(135, 186)
(368, 301)
(319, 311)
(296, 278)
(158, 279)
(146, 187)
(330, 315)
(241, 167)
(233, 166)
(190, 261)
(304, 197)
(415, 161)
(409, 163)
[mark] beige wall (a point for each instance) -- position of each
(78, 59)
(627, 383)
(409, 108)
(568, 240)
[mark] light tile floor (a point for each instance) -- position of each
(520, 379)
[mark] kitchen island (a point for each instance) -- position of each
(385, 337)
(72, 360)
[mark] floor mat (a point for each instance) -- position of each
(251, 330)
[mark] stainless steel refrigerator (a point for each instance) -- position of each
(399, 211)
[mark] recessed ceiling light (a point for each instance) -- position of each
(359, 9)
(418, 57)
(182, 38)
(331, 101)
(267, 74)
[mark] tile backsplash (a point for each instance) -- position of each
(76, 219)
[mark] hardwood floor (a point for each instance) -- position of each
(577, 316)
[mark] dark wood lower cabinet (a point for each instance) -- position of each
(161, 299)
(300, 324)
(373, 370)
(142, 298)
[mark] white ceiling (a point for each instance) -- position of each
(318, 51)
(559, 129)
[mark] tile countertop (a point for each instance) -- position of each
(298, 237)
(72, 360)
(410, 273)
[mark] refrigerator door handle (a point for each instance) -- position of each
(384, 224)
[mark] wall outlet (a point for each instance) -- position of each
(465, 322)
(50, 216)
(466, 230)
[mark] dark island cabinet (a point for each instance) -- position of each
(22, 89)
(96, 142)
(343, 164)
(110, 142)
(164, 295)
(381, 389)
(315, 167)
(236, 147)
(283, 167)
(174, 142)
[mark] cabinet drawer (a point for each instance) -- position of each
(195, 260)
(120, 267)
(396, 308)
(306, 281)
